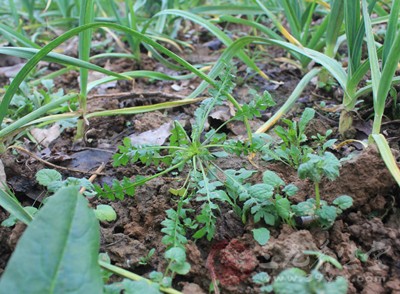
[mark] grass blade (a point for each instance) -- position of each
(215, 31)
(10, 204)
(58, 58)
(387, 156)
(289, 102)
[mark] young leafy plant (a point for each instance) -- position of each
(292, 149)
(296, 280)
(269, 201)
(197, 152)
(315, 169)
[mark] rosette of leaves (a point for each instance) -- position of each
(195, 153)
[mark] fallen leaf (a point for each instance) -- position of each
(46, 136)
(3, 177)
(11, 71)
(152, 137)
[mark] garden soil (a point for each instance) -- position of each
(371, 226)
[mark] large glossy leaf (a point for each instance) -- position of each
(58, 251)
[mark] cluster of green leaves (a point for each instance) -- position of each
(296, 280)
(294, 147)
(197, 152)
(30, 98)
(317, 167)
(267, 201)
(53, 181)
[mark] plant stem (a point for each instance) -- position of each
(127, 274)
(317, 195)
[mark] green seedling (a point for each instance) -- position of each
(269, 201)
(52, 180)
(146, 259)
(296, 280)
(315, 169)
(197, 152)
(292, 150)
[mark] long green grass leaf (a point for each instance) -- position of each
(391, 30)
(289, 102)
(11, 204)
(215, 31)
(12, 89)
(28, 53)
(33, 115)
(226, 9)
(387, 156)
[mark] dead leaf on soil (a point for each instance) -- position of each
(222, 113)
(3, 177)
(11, 71)
(152, 137)
(46, 136)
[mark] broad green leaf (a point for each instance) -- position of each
(261, 191)
(283, 208)
(343, 202)
(261, 235)
(338, 286)
(58, 253)
(47, 176)
(327, 215)
(307, 115)
(176, 254)
(271, 178)
(105, 213)
(290, 190)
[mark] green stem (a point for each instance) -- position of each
(317, 195)
(145, 180)
(127, 274)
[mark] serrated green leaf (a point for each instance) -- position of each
(343, 202)
(105, 213)
(176, 254)
(261, 191)
(305, 208)
(290, 190)
(306, 117)
(283, 208)
(261, 278)
(271, 178)
(327, 215)
(60, 244)
(47, 176)
(261, 235)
